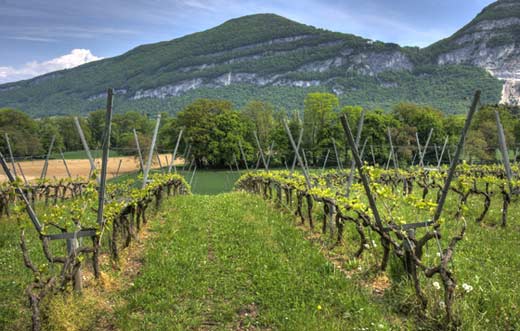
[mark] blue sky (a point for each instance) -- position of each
(37, 36)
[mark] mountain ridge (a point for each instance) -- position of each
(264, 52)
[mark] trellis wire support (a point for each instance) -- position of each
(150, 154)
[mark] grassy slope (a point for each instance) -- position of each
(230, 262)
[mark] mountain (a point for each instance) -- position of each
(271, 58)
(490, 41)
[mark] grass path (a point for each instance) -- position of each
(232, 262)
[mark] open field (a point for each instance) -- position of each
(81, 167)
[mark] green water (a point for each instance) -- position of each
(212, 181)
(204, 181)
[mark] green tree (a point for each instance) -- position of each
(72, 141)
(319, 120)
(213, 129)
(482, 140)
(418, 119)
(96, 123)
(261, 114)
(47, 128)
(22, 131)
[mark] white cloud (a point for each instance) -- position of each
(31, 69)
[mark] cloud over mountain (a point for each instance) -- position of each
(31, 69)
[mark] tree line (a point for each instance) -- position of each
(214, 129)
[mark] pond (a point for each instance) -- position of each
(212, 181)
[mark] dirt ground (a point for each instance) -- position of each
(56, 168)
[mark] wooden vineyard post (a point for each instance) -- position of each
(65, 164)
(159, 159)
(118, 168)
(138, 147)
(503, 150)
(455, 159)
(353, 163)
(442, 152)
(185, 156)
(85, 146)
(338, 160)
(359, 165)
(46, 164)
(10, 153)
(28, 207)
(243, 154)
(102, 181)
(150, 154)
(23, 174)
(104, 160)
(326, 159)
(193, 173)
(300, 137)
(172, 163)
(271, 149)
(421, 160)
(260, 151)
(392, 150)
(297, 153)
(419, 150)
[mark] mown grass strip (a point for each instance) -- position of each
(231, 262)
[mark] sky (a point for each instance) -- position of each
(39, 36)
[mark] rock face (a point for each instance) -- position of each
(365, 63)
(492, 42)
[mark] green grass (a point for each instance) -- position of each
(229, 262)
